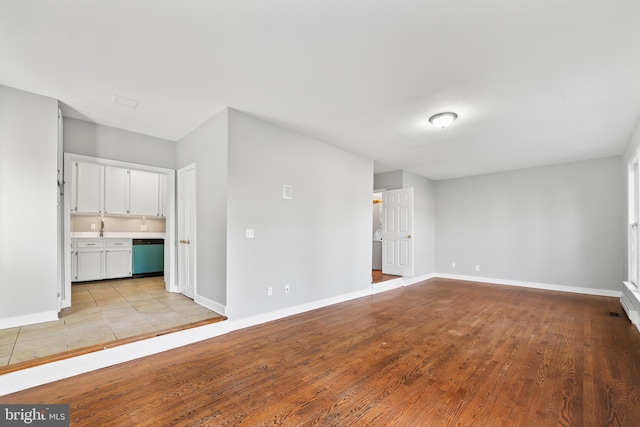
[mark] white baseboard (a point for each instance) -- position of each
(210, 304)
(28, 319)
(291, 311)
(408, 281)
(545, 286)
(387, 285)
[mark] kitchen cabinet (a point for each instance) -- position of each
(97, 259)
(89, 257)
(144, 193)
(100, 189)
(116, 190)
(118, 258)
(87, 188)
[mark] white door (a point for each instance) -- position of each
(186, 230)
(397, 230)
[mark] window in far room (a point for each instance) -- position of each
(634, 214)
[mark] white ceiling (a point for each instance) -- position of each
(533, 83)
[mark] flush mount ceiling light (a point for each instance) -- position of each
(442, 120)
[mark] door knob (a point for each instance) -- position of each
(188, 242)
(409, 236)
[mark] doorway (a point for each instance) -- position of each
(392, 234)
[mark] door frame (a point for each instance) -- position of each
(396, 269)
(192, 227)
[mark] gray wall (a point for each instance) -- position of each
(28, 199)
(206, 146)
(388, 180)
(319, 242)
(560, 225)
(90, 139)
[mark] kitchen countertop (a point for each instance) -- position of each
(116, 234)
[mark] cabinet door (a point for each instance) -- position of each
(116, 190)
(144, 190)
(88, 186)
(163, 198)
(118, 263)
(89, 264)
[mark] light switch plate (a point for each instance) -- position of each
(287, 192)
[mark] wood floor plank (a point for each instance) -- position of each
(440, 353)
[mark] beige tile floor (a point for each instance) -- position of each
(102, 312)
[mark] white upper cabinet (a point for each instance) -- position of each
(111, 190)
(144, 195)
(87, 188)
(116, 190)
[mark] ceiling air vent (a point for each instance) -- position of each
(125, 102)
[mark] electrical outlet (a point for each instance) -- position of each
(269, 291)
(477, 268)
(453, 265)
(250, 233)
(287, 289)
(93, 226)
(144, 227)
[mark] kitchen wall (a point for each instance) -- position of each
(121, 224)
(28, 199)
(105, 142)
(558, 225)
(319, 242)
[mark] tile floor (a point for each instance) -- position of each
(102, 312)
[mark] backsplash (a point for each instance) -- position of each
(112, 223)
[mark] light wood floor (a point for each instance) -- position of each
(102, 312)
(439, 353)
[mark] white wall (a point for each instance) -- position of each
(28, 199)
(559, 225)
(105, 142)
(319, 242)
(206, 146)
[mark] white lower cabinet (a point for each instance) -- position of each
(118, 258)
(97, 259)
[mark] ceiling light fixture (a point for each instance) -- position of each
(442, 120)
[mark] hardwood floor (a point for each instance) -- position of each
(377, 276)
(439, 353)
